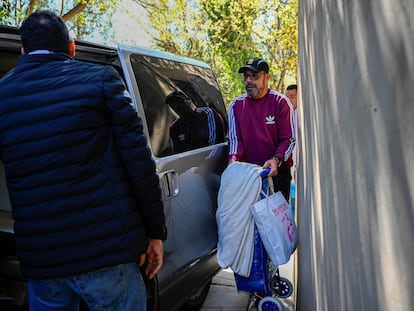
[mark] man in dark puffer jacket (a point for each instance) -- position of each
(82, 183)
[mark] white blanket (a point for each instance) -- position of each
(239, 189)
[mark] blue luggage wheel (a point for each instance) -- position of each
(270, 304)
(283, 288)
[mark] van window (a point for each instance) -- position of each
(172, 129)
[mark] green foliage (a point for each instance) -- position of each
(276, 35)
(13, 12)
(176, 27)
(94, 19)
(224, 33)
(229, 31)
(83, 17)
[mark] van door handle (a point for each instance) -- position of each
(169, 184)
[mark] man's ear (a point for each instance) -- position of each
(22, 51)
(72, 48)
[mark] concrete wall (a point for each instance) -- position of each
(356, 140)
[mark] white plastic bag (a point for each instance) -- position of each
(274, 220)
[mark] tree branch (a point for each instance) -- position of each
(74, 11)
(30, 7)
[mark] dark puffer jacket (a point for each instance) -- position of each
(81, 179)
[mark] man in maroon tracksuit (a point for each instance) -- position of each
(261, 128)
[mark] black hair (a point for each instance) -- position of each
(44, 30)
(176, 97)
(292, 87)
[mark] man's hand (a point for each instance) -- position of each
(273, 165)
(232, 159)
(153, 257)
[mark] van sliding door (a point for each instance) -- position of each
(189, 173)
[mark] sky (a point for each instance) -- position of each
(125, 26)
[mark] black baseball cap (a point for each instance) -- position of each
(256, 64)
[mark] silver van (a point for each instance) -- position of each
(189, 172)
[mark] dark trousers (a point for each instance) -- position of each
(281, 182)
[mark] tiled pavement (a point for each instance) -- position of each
(223, 295)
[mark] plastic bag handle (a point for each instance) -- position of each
(269, 190)
(265, 172)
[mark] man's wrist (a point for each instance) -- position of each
(278, 160)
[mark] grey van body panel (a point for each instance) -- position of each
(161, 54)
(189, 181)
(189, 189)
(132, 85)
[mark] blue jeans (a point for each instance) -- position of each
(117, 288)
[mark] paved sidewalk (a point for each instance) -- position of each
(223, 295)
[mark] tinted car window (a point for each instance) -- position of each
(156, 79)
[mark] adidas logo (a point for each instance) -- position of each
(270, 120)
(181, 137)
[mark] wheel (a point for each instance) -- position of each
(197, 299)
(282, 287)
(270, 304)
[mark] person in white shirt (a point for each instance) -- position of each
(291, 93)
